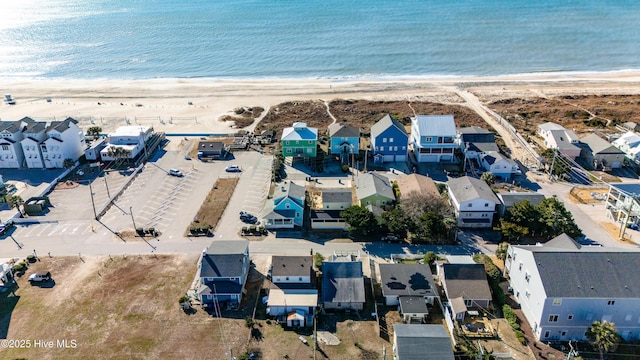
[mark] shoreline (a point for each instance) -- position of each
(158, 102)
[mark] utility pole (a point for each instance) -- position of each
(623, 225)
(553, 162)
(93, 203)
(107, 186)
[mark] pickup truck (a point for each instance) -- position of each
(40, 276)
(6, 226)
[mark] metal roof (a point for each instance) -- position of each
(436, 125)
(598, 145)
(422, 342)
(466, 188)
(300, 131)
(373, 184)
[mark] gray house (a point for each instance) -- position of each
(563, 287)
(599, 153)
(223, 268)
(507, 200)
(212, 149)
(474, 202)
(421, 342)
(466, 287)
(400, 280)
(342, 285)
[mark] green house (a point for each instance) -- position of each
(299, 140)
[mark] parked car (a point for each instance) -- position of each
(390, 237)
(248, 218)
(40, 276)
(6, 226)
(176, 172)
(233, 168)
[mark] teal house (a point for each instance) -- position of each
(287, 209)
(344, 140)
(299, 141)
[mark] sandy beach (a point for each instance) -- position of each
(194, 105)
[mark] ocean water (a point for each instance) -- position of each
(142, 39)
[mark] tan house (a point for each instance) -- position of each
(413, 184)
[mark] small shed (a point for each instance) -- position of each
(212, 150)
(92, 153)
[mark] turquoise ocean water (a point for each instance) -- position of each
(141, 39)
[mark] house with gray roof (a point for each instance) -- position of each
(343, 285)
(474, 140)
(400, 280)
(11, 135)
(222, 269)
(498, 164)
(389, 140)
(507, 200)
(466, 287)
(557, 137)
(374, 189)
(344, 140)
(326, 207)
(294, 270)
(600, 153)
(563, 287)
(474, 202)
(433, 138)
(287, 209)
(292, 297)
(421, 342)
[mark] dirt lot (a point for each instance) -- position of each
(127, 308)
(216, 201)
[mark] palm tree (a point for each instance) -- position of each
(603, 336)
(119, 153)
(68, 163)
(94, 131)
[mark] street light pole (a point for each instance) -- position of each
(93, 203)
(132, 219)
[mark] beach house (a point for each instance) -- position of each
(465, 284)
(65, 140)
(389, 140)
(299, 141)
(473, 201)
(343, 284)
(629, 143)
(287, 209)
(374, 189)
(563, 287)
(222, 271)
(344, 141)
(600, 153)
(433, 138)
(555, 136)
(33, 136)
(421, 342)
(132, 139)
(11, 135)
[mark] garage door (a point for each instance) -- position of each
(401, 157)
(446, 157)
(428, 158)
(388, 158)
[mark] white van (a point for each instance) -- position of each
(176, 172)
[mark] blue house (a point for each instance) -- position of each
(344, 140)
(287, 209)
(223, 269)
(389, 140)
(433, 137)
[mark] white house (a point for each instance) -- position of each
(326, 207)
(474, 202)
(296, 307)
(498, 164)
(33, 136)
(11, 135)
(563, 287)
(291, 269)
(557, 137)
(433, 137)
(131, 138)
(629, 143)
(65, 140)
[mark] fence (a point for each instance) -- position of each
(116, 195)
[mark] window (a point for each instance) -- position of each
(395, 148)
(384, 140)
(404, 148)
(553, 318)
(469, 205)
(297, 142)
(519, 267)
(288, 151)
(570, 317)
(557, 302)
(390, 140)
(486, 204)
(468, 302)
(300, 278)
(527, 294)
(546, 334)
(628, 318)
(428, 139)
(297, 214)
(287, 205)
(309, 151)
(310, 142)
(527, 276)
(287, 278)
(381, 148)
(563, 333)
(5, 147)
(611, 302)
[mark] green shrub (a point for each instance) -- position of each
(248, 321)
(183, 299)
(345, 168)
(19, 267)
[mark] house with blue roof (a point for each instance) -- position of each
(299, 141)
(433, 138)
(287, 209)
(389, 140)
(222, 269)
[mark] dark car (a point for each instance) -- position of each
(390, 238)
(248, 218)
(6, 226)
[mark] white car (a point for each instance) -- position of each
(232, 168)
(175, 172)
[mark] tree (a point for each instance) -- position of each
(14, 201)
(361, 221)
(553, 158)
(68, 163)
(430, 257)
(488, 177)
(512, 231)
(603, 336)
(118, 152)
(556, 219)
(431, 226)
(397, 222)
(501, 251)
(95, 131)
